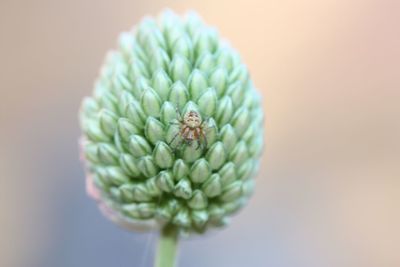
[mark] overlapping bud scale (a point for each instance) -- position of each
(140, 165)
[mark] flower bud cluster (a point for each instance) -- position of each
(144, 163)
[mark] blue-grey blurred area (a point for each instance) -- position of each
(328, 193)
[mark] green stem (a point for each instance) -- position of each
(167, 247)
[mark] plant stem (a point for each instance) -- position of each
(167, 247)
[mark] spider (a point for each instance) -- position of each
(191, 128)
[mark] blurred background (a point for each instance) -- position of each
(328, 193)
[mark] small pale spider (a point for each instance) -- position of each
(191, 128)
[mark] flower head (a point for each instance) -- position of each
(173, 131)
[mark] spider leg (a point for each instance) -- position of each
(204, 121)
(206, 142)
(198, 144)
(184, 137)
(179, 113)
(181, 143)
(205, 139)
(198, 136)
(173, 138)
(210, 127)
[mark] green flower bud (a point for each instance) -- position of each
(218, 80)
(182, 219)
(180, 169)
(140, 193)
(108, 122)
(208, 102)
(173, 132)
(197, 84)
(151, 102)
(148, 167)
(139, 146)
(179, 95)
(199, 218)
(232, 192)
(107, 154)
(198, 200)
(183, 189)
(154, 130)
(224, 110)
(135, 114)
(126, 129)
(216, 155)
(165, 181)
(152, 187)
(180, 69)
(163, 155)
(200, 171)
(129, 165)
(161, 84)
(212, 187)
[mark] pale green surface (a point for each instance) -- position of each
(167, 248)
(161, 69)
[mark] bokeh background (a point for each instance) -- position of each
(328, 193)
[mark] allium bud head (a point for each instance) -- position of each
(173, 131)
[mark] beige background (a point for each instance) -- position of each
(329, 190)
